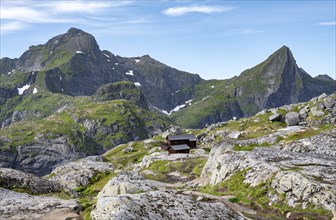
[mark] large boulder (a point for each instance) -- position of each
(292, 118)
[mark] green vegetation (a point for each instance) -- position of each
(13, 80)
(189, 168)
(128, 154)
(89, 193)
(63, 56)
(307, 133)
(120, 90)
(253, 127)
(211, 102)
(249, 147)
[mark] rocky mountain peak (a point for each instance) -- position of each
(73, 30)
(75, 40)
(282, 57)
(284, 51)
(324, 77)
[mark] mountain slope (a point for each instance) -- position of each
(278, 81)
(211, 103)
(79, 128)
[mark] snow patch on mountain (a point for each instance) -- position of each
(130, 72)
(22, 89)
(13, 71)
(177, 108)
(188, 102)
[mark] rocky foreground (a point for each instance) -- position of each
(275, 165)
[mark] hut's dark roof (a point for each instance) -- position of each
(189, 137)
(180, 147)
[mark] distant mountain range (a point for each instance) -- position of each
(72, 65)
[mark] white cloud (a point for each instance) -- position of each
(178, 11)
(20, 14)
(12, 26)
(17, 15)
(252, 31)
(30, 15)
(331, 23)
(81, 6)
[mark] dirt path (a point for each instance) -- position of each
(225, 199)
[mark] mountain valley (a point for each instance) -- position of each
(82, 131)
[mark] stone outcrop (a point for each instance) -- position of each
(310, 163)
(10, 179)
(159, 205)
(173, 130)
(40, 158)
(276, 117)
(129, 196)
(79, 173)
(163, 155)
(15, 205)
(301, 190)
(129, 183)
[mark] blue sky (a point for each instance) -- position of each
(215, 39)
